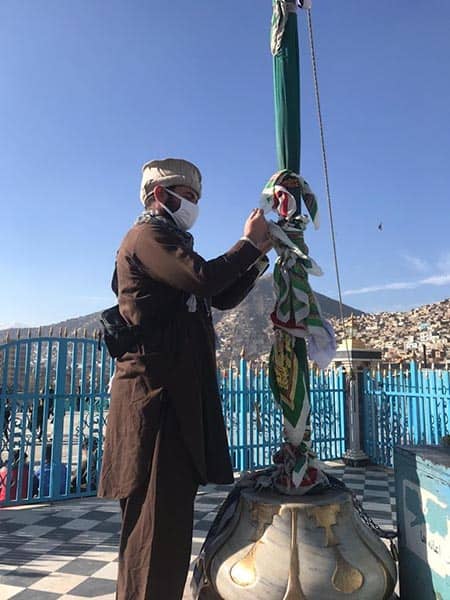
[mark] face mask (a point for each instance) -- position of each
(187, 213)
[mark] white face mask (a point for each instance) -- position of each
(187, 213)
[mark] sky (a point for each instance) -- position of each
(90, 90)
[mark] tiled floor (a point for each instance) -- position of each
(68, 550)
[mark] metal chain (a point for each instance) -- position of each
(251, 479)
(334, 483)
(382, 533)
(365, 518)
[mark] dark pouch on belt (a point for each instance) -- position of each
(119, 336)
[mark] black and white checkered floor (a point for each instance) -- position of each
(68, 550)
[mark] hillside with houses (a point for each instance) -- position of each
(422, 333)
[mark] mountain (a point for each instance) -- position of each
(422, 333)
(246, 326)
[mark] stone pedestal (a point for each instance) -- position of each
(309, 548)
(354, 456)
(354, 356)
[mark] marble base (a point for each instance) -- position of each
(309, 548)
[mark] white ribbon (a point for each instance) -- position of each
(191, 303)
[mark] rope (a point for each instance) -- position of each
(325, 169)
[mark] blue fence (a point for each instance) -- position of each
(54, 404)
(404, 406)
(53, 409)
(254, 423)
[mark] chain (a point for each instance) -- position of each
(337, 484)
(383, 533)
(365, 518)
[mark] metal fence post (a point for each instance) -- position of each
(243, 414)
(342, 398)
(58, 419)
(413, 402)
(233, 411)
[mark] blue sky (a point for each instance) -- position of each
(91, 90)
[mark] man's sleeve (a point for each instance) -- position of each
(237, 291)
(162, 256)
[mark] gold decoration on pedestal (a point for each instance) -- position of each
(311, 548)
(389, 581)
(345, 578)
(325, 517)
(294, 588)
(243, 573)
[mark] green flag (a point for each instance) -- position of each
(286, 78)
(297, 314)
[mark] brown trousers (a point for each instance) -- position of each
(157, 521)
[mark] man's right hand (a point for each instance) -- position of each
(257, 230)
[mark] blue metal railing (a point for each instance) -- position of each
(54, 394)
(404, 406)
(328, 413)
(54, 404)
(255, 424)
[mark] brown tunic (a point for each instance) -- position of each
(157, 272)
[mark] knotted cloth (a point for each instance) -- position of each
(282, 189)
(297, 319)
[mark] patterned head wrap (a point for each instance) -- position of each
(169, 172)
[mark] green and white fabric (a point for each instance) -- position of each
(294, 186)
(280, 14)
(286, 84)
(289, 384)
(297, 319)
(296, 316)
(297, 310)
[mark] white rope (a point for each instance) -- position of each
(325, 170)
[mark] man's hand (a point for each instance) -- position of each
(257, 230)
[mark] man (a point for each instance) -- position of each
(165, 433)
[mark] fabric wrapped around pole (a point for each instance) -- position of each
(286, 75)
(296, 467)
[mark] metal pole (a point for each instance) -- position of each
(424, 348)
(58, 417)
(355, 455)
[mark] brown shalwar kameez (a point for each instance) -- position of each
(159, 545)
(165, 433)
